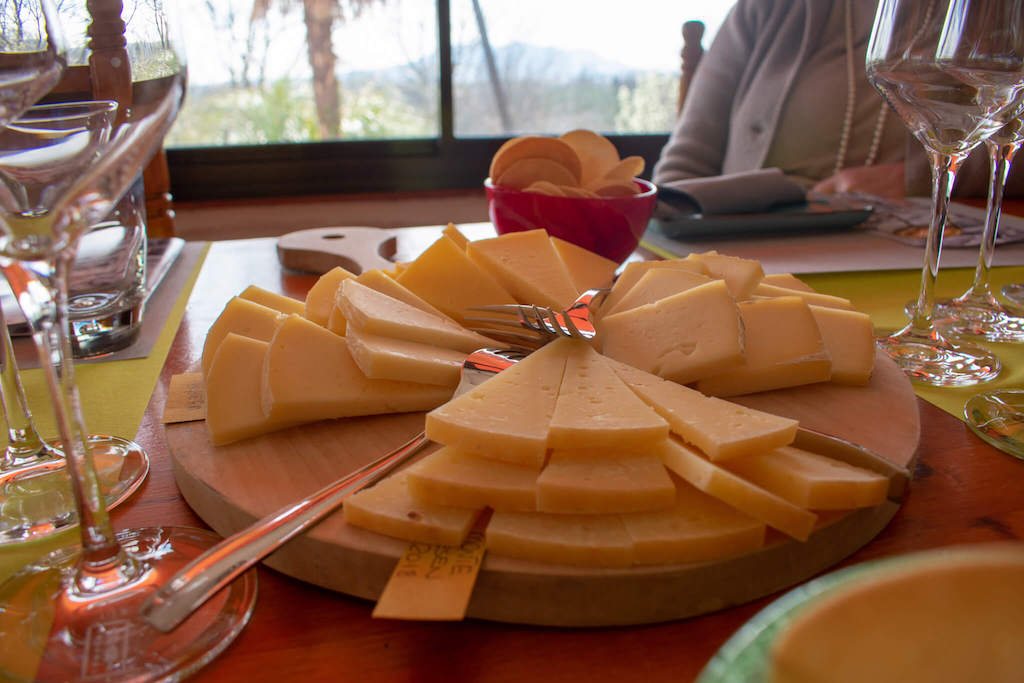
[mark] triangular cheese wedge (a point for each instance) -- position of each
(740, 274)
(279, 302)
(452, 477)
(635, 270)
(244, 317)
(586, 269)
(385, 284)
(811, 298)
(398, 359)
(527, 266)
(656, 284)
(580, 540)
(321, 296)
(586, 481)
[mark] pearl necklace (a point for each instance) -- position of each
(851, 103)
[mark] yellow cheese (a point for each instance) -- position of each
(579, 540)
(387, 358)
(849, 338)
(309, 374)
(787, 280)
(697, 528)
(279, 302)
(336, 321)
(595, 482)
(657, 284)
(452, 477)
(321, 296)
(385, 284)
(447, 278)
(507, 416)
(527, 266)
(596, 410)
(243, 317)
(371, 312)
(682, 337)
(233, 409)
(740, 274)
(812, 481)
(945, 616)
(811, 298)
(587, 270)
(635, 270)
(455, 235)
(720, 429)
(741, 494)
(783, 348)
(388, 508)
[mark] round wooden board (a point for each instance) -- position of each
(232, 486)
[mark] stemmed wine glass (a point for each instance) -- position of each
(31, 55)
(75, 613)
(952, 71)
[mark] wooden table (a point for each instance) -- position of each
(964, 491)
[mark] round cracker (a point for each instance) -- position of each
(578, 192)
(626, 170)
(525, 171)
(544, 187)
(614, 188)
(535, 146)
(596, 152)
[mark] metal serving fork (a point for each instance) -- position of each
(187, 590)
(526, 325)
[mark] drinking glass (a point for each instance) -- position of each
(75, 613)
(952, 70)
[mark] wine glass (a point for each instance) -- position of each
(950, 69)
(75, 614)
(31, 54)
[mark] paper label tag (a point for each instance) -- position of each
(186, 399)
(433, 582)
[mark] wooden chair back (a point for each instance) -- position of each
(693, 33)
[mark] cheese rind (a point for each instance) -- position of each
(588, 482)
(459, 479)
(321, 296)
(244, 317)
(849, 338)
(397, 359)
(527, 266)
(579, 540)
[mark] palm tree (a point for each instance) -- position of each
(319, 17)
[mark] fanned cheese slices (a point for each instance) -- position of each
(243, 317)
(527, 266)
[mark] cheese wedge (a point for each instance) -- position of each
(464, 284)
(849, 338)
(587, 270)
(279, 302)
(740, 274)
(321, 296)
(243, 317)
(697, 528)
(506, 417)
(527, 266)
(385, 284)
(600, 482)
(371, 312)
(787, 280)
(657, 284)
(308, 374)
(578, 540)
(683, 337)
(596, 410)
(720, 429)
(635, 270)
(397, 359)
(233, 409)
(389, 509)
(452, 477)
(812, 481)
(455, 235)
(811, 298)
(745, 496)
(783, 348)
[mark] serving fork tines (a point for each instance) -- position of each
(529, 325)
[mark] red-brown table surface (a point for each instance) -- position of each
(964, 491)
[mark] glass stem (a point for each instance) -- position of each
(1000, 157)
(944, 168)
(24, 445)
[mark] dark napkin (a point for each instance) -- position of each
(736, 193)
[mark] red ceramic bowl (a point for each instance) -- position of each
(609, 226)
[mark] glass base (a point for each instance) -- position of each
(53, 632)
(36, 500)
(998, 418)
(978, 318)
(929, 358)
(1014, 293)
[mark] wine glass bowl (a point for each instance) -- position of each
(31, 55)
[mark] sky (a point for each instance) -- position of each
(642, 33)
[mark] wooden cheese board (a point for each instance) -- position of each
(232, 486)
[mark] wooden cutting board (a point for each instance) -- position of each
(232, 486)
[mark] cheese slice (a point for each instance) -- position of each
(722, 430)
(657, 284)
(745, 496)
(527, 266)
(371, 312)
(243, 317)
(787, 280)
(586, 481)
(389, 509)
(308, 374)
(635, 270)
(321, 296)
(279, 302)
(811, 298)
(587, 270)
(812, 481)
(455, 235)
(447, 278)
(683, 337)
(233, 409)
(385, 284)
(397, 359)
(456, 478)
(336, 321)
(740, 274)
(506, 417)
(579, 540)
(697, 528)
(783, 348)
(849, 338)
(596, 410)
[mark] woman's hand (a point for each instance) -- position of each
(883, 180)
